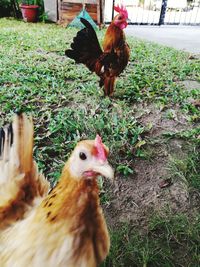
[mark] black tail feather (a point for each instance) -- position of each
(2, 140)
(85, 47)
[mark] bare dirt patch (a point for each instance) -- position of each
(190, 84)
(137, 197)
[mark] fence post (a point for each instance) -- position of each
(113, 10)
(163, 12)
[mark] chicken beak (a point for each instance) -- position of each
(104, 169)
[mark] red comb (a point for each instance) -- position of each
(100, 150)
(121, 10)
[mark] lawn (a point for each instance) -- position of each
(151, 125)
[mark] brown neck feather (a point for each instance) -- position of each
(71, 198)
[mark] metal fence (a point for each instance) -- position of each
(158, 12)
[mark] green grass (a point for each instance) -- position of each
(158, 245)
(67, 105)
(187, 170)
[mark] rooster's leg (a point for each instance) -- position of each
(109, 84)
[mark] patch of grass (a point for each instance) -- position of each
(154, 72)
(191, 134)
(187, 170)
(168, 241)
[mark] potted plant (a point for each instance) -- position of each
(29, 10)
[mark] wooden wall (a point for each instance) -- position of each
(69, 9)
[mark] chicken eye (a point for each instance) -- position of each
(82, 156)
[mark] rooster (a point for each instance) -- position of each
(62, 228)
(109, 63)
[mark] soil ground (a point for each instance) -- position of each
(135, 198)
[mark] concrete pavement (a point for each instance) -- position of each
(185, 38)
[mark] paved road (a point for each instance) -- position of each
(185, 38)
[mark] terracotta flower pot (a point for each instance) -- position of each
(29, 12)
